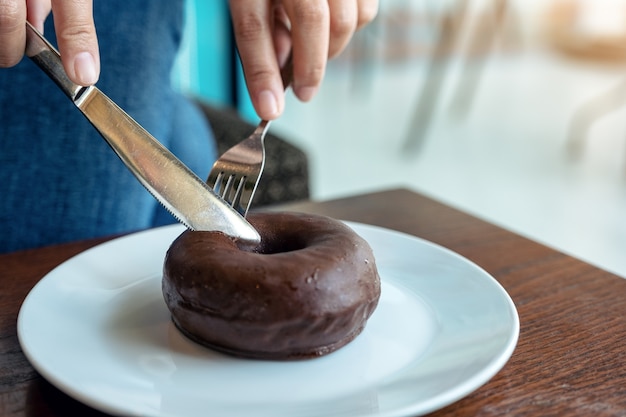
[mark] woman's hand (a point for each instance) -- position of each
(75, 30)
(315, 30)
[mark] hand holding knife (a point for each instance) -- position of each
(184, 194)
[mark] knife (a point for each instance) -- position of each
(189, 199)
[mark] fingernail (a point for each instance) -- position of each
(305, 93)
(85, 69)
(268, 103)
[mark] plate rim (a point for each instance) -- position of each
(467, 387)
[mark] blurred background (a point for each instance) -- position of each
(511, 110)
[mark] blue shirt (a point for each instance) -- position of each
(59, 180)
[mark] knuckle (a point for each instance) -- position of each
(11, 16)
(314, 75)
(12, 29)
(342, 25)
(248, 26)
(312, 13)
(259, 75)
(77, 33)
(256, 75)
(10, 12)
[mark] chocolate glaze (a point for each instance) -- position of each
(306, 291)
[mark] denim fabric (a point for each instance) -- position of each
(59, 179)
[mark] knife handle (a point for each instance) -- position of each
(42, 53)
(187, 197)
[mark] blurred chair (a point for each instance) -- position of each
(487, 26)
(587, 30)
(586, 115)
(427, 100)
(591, 32)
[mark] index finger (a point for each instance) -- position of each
(76, 36)
(252, 24)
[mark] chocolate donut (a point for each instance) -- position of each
(306, 291)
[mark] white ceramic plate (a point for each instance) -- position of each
(98, 329)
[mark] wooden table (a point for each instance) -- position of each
(570, 359)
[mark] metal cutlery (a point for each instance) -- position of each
(236, 174)
(186, 196)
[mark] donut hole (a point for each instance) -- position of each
(280, 243)
(283, 233)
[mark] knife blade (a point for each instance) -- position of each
(190, 200)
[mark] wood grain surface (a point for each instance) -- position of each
(570, 359)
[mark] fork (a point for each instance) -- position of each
(236, 174)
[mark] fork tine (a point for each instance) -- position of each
(227, 188)
(236, 174)
(217, 183)
(236, 199)
(231, 189)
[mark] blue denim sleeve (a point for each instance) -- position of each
(60, 180)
